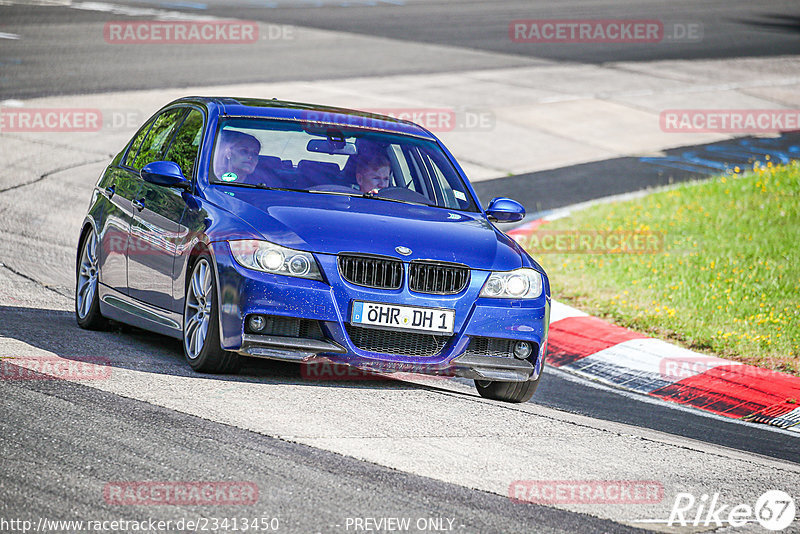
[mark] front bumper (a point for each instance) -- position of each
(243, 292)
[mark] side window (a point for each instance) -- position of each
(453, 197)
(186, 143)
(137, 142)
(156, 141)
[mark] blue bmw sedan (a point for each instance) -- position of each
(271, 229)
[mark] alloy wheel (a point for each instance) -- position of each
(87, 276)
(197, 315)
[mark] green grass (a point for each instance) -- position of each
(727, 281)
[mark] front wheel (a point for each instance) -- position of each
(507, 391)
(201, 345)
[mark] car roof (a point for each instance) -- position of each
(284, 110)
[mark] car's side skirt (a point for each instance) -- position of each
(121, 307)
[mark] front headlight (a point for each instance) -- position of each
(517, 284)
(271, 258)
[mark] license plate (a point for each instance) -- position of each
(435, 320)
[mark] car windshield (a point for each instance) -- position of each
(325, 159)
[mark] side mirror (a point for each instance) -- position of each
(503, 209)
(166, 173)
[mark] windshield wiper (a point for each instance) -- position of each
(265, 186)
(370, 195)
(259, 186)
(402, 201)
(340, 193)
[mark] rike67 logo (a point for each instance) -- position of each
(774, 510)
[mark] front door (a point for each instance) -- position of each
(150, 254)
(156, 230)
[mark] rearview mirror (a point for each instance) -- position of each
(505, 210)
(330, 146)
(166, 173)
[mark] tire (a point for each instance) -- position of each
(201, 339)
(507, 391)
(87, 299)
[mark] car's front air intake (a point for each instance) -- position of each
(437, 278)
(275, 325)
(398, 343)
(371, 271)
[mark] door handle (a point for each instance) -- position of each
(139, 204)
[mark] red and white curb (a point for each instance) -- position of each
(597, 350)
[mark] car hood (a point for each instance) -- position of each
(330, 224)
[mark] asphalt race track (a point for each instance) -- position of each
(325, 453)
(295, 481)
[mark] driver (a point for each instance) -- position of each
(237, 156)
(373, 172)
